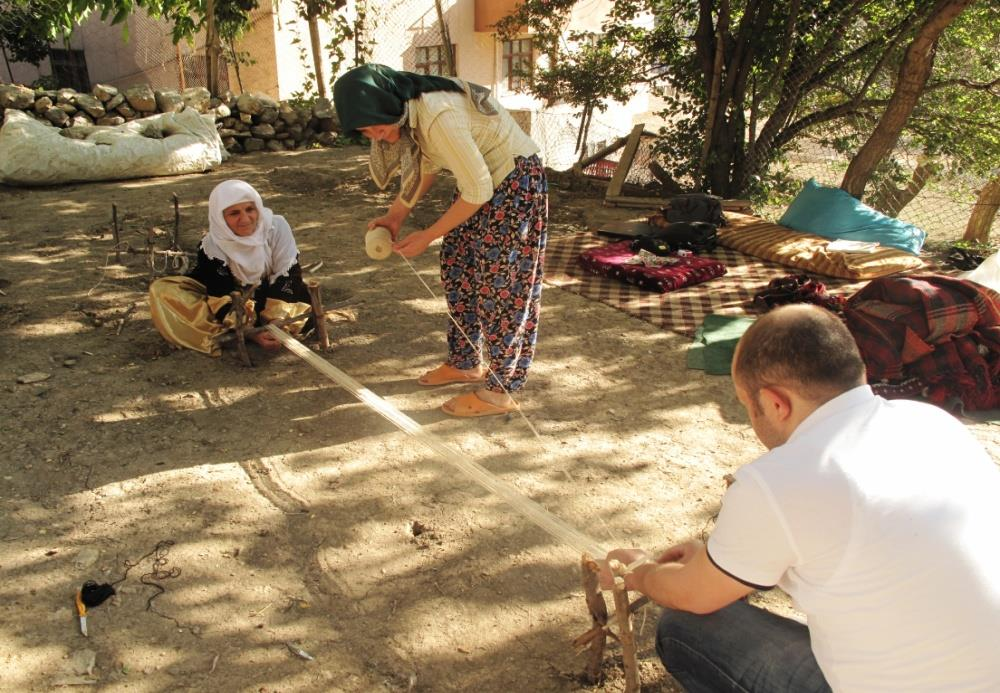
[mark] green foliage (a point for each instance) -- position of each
(956, 119)
(26, 30)
(825, 71)
(48, 21)
(308, 92)
(46, 82)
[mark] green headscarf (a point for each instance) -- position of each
(376, 95)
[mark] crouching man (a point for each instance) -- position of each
(879, 518)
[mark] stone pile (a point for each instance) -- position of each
(247, 123)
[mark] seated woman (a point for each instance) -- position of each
(246, 245)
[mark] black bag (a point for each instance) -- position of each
(696, 236)
(651, 244)
(695, 207)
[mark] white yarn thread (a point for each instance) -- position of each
(378, 243)
(531, 510)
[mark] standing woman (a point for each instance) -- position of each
(494, 230)
(246, 245)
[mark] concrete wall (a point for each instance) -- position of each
(279, 44)
(146, 55)
(261, 44)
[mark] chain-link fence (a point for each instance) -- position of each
(929, 196)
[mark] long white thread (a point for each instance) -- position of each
(538, 437)
(531, 510)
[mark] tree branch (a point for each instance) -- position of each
(827, 114)
(968, 83)
(895, 32)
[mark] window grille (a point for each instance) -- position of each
(517, 63)
(432, 60)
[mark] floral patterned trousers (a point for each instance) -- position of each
(491, 268)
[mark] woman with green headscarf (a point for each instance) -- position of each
(493, 233)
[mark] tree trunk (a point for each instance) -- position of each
(891, 200)
(7, 61)
(983, 212)
(713, 100)
(236, 63)
(445, 40)
(317, 52)
(211, 50)
(913, 73)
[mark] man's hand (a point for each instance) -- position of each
(624, 556)
(266, 340)
(680, 553)
(414, 244)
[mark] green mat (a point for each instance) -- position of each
(714, 343)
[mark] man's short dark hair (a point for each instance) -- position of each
(803, 347)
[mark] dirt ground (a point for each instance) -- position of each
(284, 510)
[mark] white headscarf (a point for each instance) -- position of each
(270, 251)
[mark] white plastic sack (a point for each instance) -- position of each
(987, 274)
(34, 153)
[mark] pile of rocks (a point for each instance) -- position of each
(247, 123)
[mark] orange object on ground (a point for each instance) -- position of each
(445, 375)
(469, 405)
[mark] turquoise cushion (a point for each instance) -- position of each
(833, 213)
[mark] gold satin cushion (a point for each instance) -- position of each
(184, 313)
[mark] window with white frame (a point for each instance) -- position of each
(433, 60)
(517, 63)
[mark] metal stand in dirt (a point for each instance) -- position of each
(175, 260)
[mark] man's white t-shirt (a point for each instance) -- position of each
(881, 519)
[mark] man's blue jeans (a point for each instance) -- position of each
(738, 648)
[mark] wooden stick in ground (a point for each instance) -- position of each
(117, 235)
(588, 637)
(124, 318)
(598, 616)
(319, 314)
(230, 336)
(331, 314)
(240, 311)
(177, 223)
(625, 634)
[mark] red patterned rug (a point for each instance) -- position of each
(678, 311)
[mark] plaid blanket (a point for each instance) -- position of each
(940, 333)
(678, 311)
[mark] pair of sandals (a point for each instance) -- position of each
(468, 404)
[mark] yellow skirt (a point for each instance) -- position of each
(184, 313)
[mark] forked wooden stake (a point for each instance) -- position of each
(177, 223)
(625, 633)
(598, 616)
(240, 312)
(319, 315)
(117, 234)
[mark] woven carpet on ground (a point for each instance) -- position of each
(678, 311)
